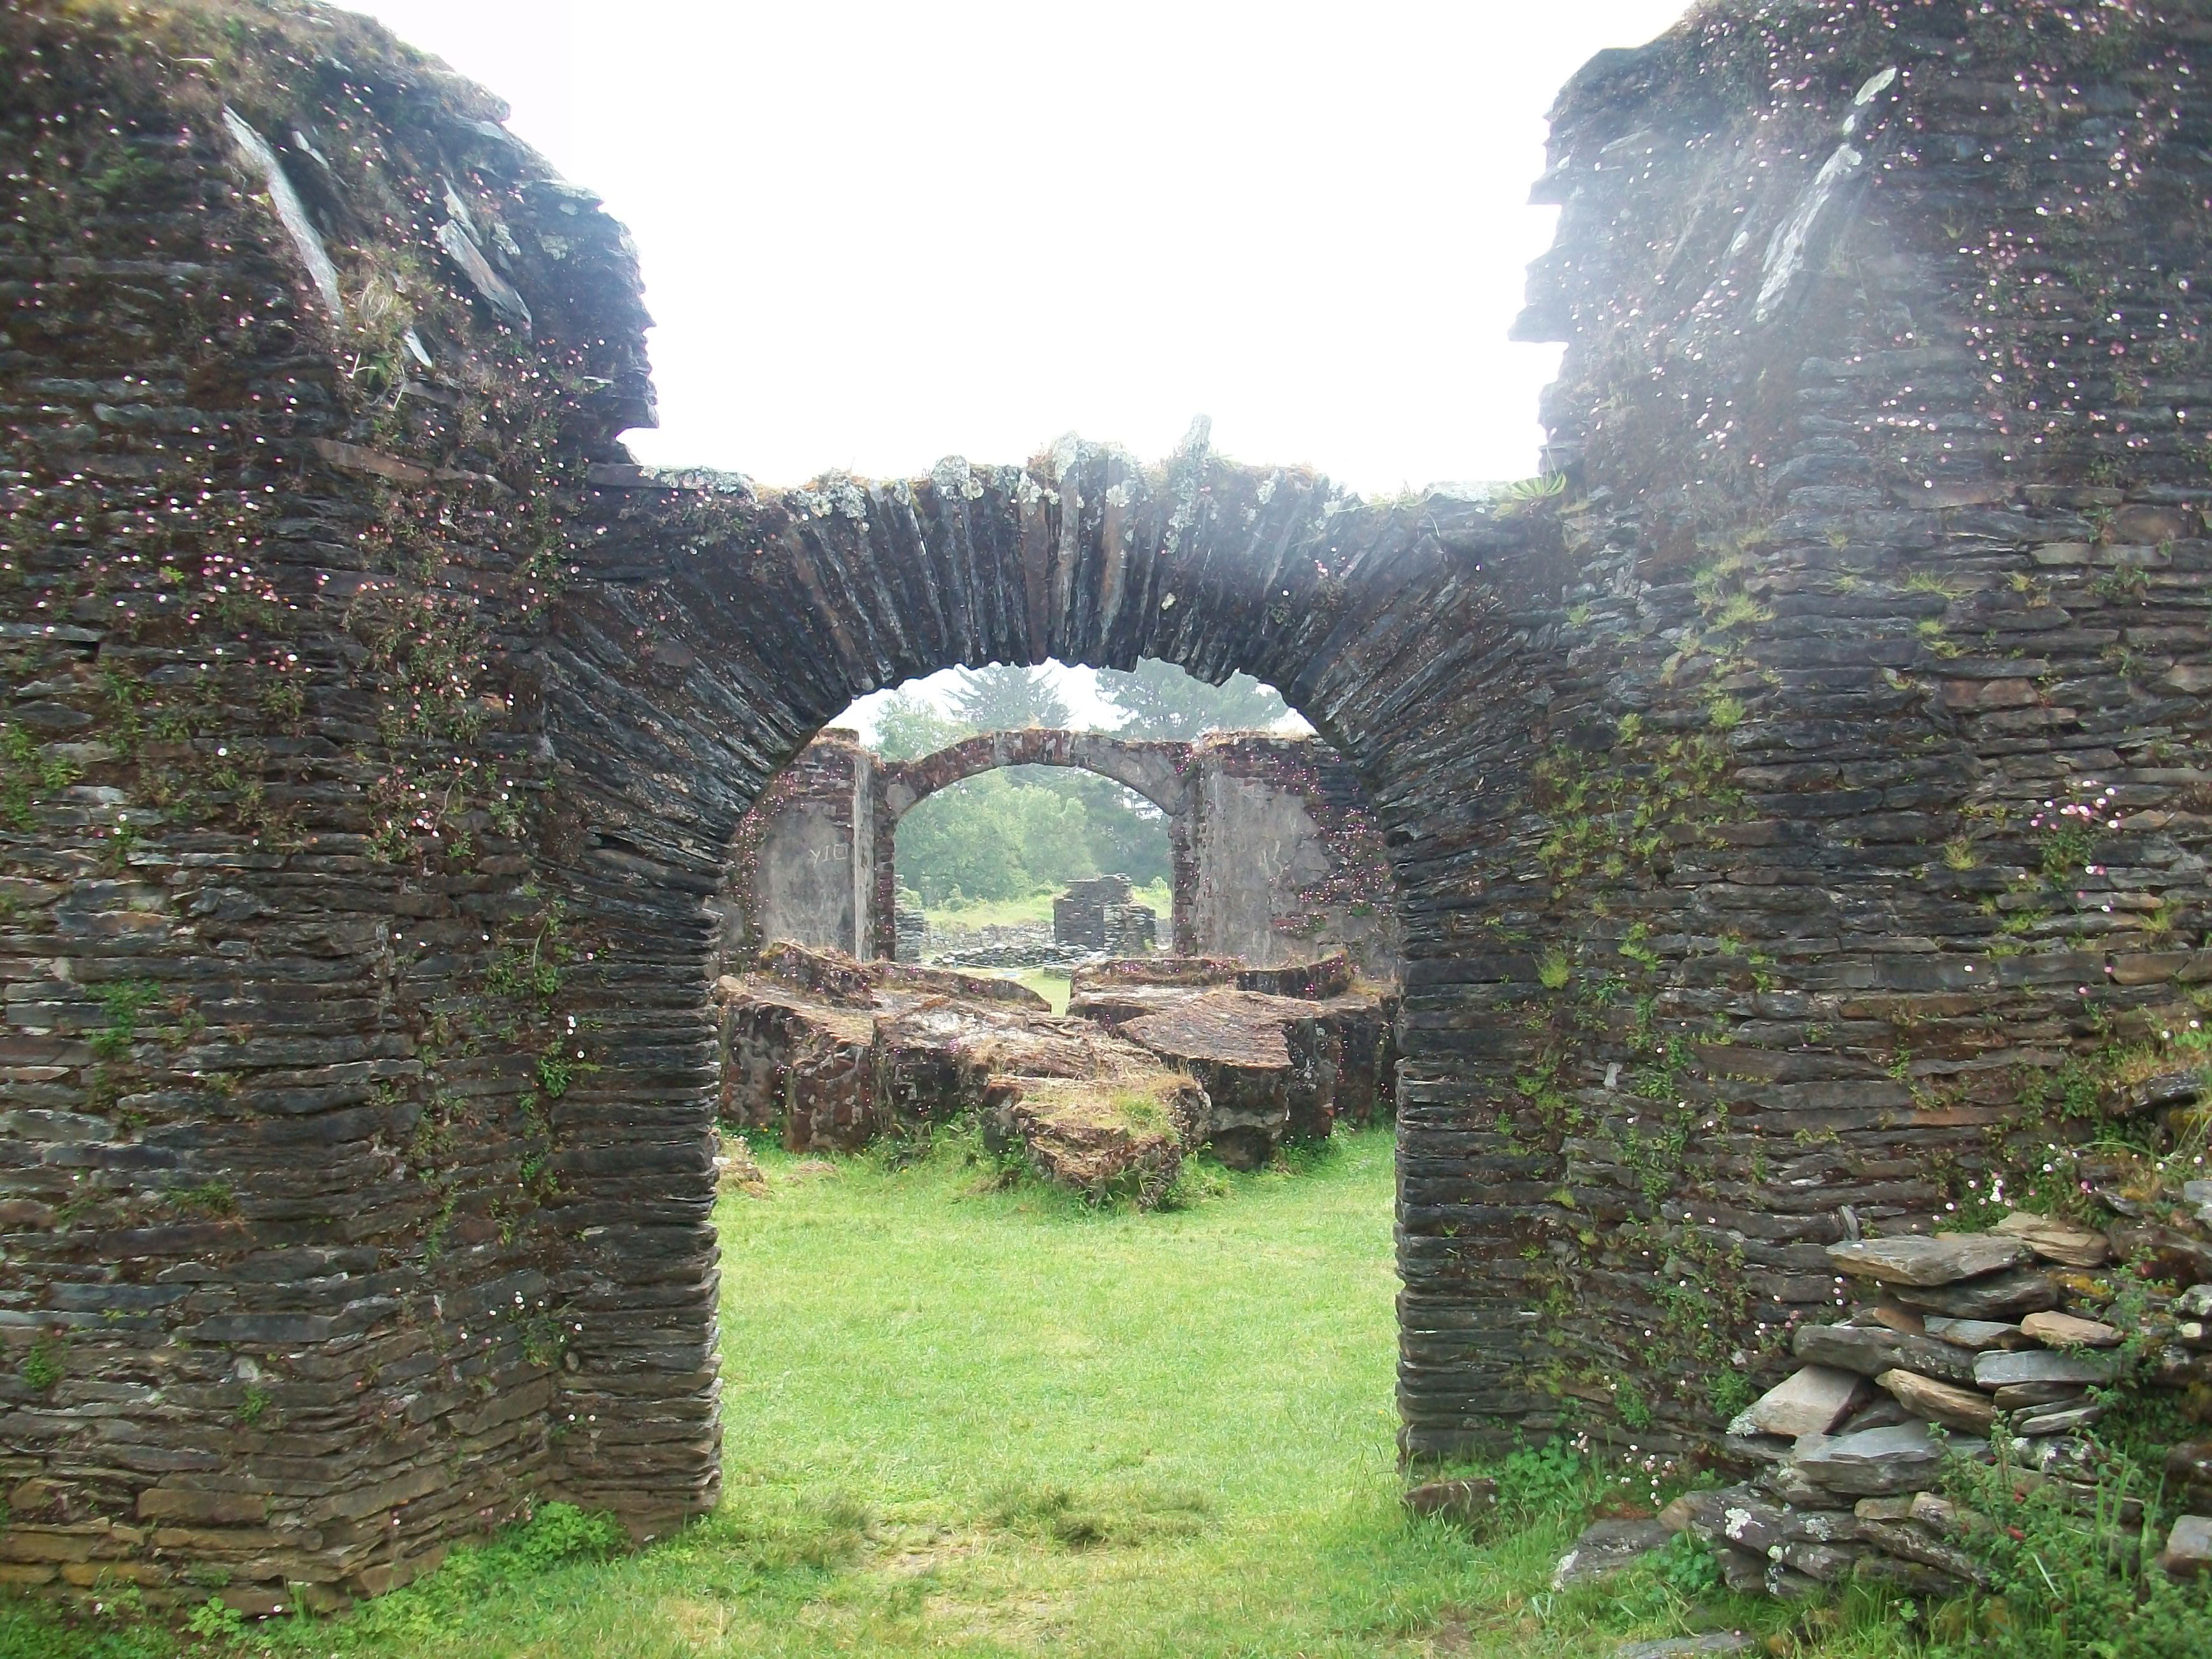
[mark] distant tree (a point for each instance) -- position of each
(1159, 699)
(1128, 834)
(989, 838)
(909, 727)
(1007, 699)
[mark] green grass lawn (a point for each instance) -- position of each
(1037, 906)
(968, 1420)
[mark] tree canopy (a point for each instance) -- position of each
(1159, 699)
(1006, 834)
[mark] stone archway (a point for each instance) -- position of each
(707, 638)
(1157, 771)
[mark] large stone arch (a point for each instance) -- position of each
(1155, 770)
(707, 639)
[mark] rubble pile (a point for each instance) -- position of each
(2016, 1336)
(829, 1052)
(1283, 1052)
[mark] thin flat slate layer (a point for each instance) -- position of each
(1945, 1258)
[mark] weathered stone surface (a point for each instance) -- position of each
(1945, 1258)
(1812, 1400)
(1997, 1297)
(1975, 1334)
(2188, 1552)
(2059, 1330)
(2060, 1417)
(1940, 1402)
(1870, 1349)
(1606, 1548)
(1099, 1135)
(1877, 1461)
(1241, 1058)
(2057, 1241)
(1997, 1371)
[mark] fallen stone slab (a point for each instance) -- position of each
(2057, 1241)
(1876, 1461)
(1342, 1050)
(1126, 1135)
(1997, 1296)
(1122, 973)
(1942, 1259)
(1472, 1503)
(833, 1052)
(2188, 1552)
(1997, 1371)
(1870, 1349)
(1606, 1548)
(1331, 977)
(1940, 1402)
(1975, 1334)
(1241, 1057)
(1812, 1400)
(2059, 1330)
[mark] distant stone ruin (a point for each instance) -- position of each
(1098, 917)
(1155, 1058)
(1275, 856)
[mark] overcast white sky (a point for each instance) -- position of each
(877, 233)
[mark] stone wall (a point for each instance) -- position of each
(1871, 829)
(378, 737)
(1275, 855)
(1289, 863)
(803, 867)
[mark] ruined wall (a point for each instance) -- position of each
(1873, 840)
(1157, 771)
(378, 735)
(1274, 855)
(288, 1099)
(1289, 863)
(803, 864)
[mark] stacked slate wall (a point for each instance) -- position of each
(802, 866)
(288, 1097)
(1872, 842)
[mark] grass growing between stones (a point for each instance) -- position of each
(969, 1420)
